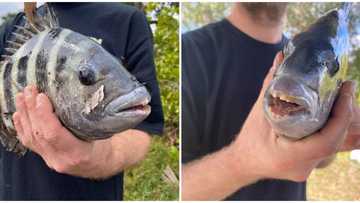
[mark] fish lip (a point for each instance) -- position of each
(135, 101)
(301, 101)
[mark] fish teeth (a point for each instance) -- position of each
(144, 102)
(285, 98)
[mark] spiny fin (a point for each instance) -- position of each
(10, 50)
(46, 21)
(34, 24)
(24, 31)
(13, 44)
(8, 137)
(50, 16)
(11, 143)
(4, 57)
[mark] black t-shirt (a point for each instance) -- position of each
(125, 33)
(222, 74)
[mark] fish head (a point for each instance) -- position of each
(98, 96)
(300, 97)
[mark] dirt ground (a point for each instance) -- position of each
(338, 181)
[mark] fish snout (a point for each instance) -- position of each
(135, 102)
(287, 97)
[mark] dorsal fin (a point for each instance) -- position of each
(36, 21)
(44, 18)
(50, 16)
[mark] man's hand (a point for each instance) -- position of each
(352, 140)
(39, 129)
(258, 153)
(275, 156)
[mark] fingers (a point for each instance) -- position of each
(341, 115)
(35, 122)
(352, 140)
(30, 101)
(17, 124)
(21, 116)
(45, 114)
(30, 92)
(328, 140)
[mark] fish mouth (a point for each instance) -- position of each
(282, 105)
(134, 103)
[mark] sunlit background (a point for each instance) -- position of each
(340, 180)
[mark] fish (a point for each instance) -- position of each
(299, 99)
(92, 93)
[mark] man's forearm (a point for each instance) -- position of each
(118, 153)
(216, 176)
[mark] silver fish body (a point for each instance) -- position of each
(298, 101)
(93, 95)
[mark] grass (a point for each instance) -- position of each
(146, 182)
(338, 181)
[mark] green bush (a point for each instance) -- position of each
(146, 182)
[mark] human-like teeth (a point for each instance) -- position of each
(286, 98)
(145, 102)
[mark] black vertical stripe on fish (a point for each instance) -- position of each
(70, 38)
(7, 89)
(22, 69)
(41, 71)
(54, 32)
(60, 66)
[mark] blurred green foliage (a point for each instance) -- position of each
(195, 14)
(166, 41)
(146, 181)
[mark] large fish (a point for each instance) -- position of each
(298, 101)
(93, 95)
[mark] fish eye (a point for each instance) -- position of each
(324, 64)
(333, 67)
(86, 76)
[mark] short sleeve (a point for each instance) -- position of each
(193, 96)
(139, 55)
